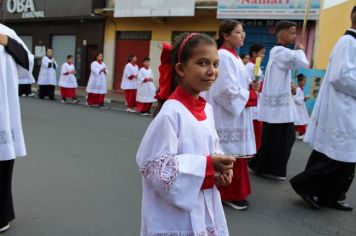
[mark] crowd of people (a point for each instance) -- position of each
(219, 117)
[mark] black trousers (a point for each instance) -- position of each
(24, 89)
(273, 155)
(325, 178)
(7, 213)
(46, 91)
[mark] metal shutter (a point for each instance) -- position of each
(27, 39)
(63, 45)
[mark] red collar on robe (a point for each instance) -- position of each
(195, 106)
(100, 62)
(253, 61)
(70, 63)
(301, 87)
(232, 50)
(133, 63)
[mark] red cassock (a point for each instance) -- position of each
(95, 99)
(68, 92)
(130, 97)
(143, 107)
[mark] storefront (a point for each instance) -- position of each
(68, 27)
(134, 30)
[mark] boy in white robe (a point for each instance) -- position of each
(302, 116)
(275, 104)
(146, 90)
(47, 79)
(14, 56)
(332, 131)
(25, 81)
(68, 81)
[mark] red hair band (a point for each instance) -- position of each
(183, 43)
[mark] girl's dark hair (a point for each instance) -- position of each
(69, 56)
(96, 55)
(186, 54)
(226, 27)
(255, 48)
(300, 77)
(146, 59)
(131, 56)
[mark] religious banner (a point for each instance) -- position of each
(267, 9)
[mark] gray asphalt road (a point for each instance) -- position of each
(80, 178)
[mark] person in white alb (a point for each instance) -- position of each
(332, 131)
(47, 79)
(14, 56)
(146, 90)
(96, 87)
(129, 83)
(25, 81)
(68, 81)
(275, 105)
(302, 116)
(179, 156)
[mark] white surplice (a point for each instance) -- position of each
(12, 143)
(97, 79)
(146, 91)
(129, 70)
(228, 97)
(47, 75)
(275, 100)
(301, 114)
(172, 158)
(67, 80)
(25, 77)
(332, 127)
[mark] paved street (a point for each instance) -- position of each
(81, 178)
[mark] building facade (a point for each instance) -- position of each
(68, 27)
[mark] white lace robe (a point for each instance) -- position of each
(228, 97)
(332, 128)
(97, 79)
(12, 142)
(275, 104)
(67, 80)
(301, 114)
(47, 75)
(126, 83)
(172, 159)
(146, 91)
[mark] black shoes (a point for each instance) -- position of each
(4, 227)
(339, 205)
(309, 199)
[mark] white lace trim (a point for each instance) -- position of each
(210, 231)
(163, 170)
(226, 95)
(278, 100)
(233, 135)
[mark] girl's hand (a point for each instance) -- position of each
(222, 163)
(255, 85)
(224, 179)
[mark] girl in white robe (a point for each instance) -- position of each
(130, 82)
(68, 81)
(96, 87)
(47, 79)
(179, 194)
(230, 98)
(146, 89)
(301, 113)
(14, 56)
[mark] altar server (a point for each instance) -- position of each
(47, 80)
(68, 81)
(146, 89)
(276, 108)
(332, 131)
(14, 56)
(130, 83)
(302, 116)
